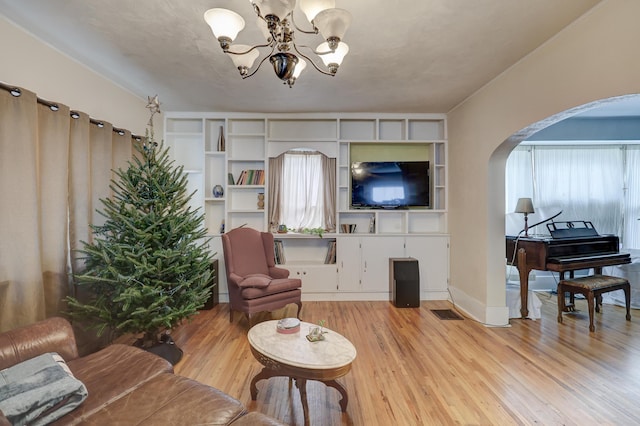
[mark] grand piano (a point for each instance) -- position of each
(571, 246)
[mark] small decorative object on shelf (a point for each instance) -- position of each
(221, 141)
(282, 229)
(288, 325)
(222, 227)
(261, 200)
(218, 191)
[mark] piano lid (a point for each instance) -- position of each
(572, 229)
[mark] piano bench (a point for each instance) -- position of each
(592, 288)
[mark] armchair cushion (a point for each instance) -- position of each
(255, 280)
(276, 286)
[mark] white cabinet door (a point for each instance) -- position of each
(315, 278)
(376, 252)
(348, 259)
(432, 253)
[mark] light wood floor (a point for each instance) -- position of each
(415, 369)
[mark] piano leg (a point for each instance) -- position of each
(523, 270)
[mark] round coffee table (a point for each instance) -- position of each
(293, 356)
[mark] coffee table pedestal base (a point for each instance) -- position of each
(300, 375)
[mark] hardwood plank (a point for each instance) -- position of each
(414, 369)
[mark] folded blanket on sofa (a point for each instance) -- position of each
(39, 391)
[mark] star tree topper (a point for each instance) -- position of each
(154, 107)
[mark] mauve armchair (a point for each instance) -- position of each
(255, 283)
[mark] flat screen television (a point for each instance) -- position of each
(389, 184)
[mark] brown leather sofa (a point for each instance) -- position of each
(126, 385)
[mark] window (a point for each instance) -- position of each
(302, 187)
(596, 183)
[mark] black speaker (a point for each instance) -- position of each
(404, 279)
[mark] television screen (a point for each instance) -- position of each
(390, 184)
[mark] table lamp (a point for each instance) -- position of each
(525, 205)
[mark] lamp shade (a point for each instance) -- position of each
(312, 7)
(224, 23)
(333, 57)
(524, 205)
(300, 66)
(264, 28)
(332, 23)
(246, 60)
(279, 8)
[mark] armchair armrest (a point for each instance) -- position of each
(277, 272)
(51, 335)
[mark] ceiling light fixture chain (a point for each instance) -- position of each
(276, 21)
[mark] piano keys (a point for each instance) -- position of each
(565, 254)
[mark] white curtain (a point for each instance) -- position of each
(53, 169)
(302, 191)
(519, 177)
(584, 182)
(631, 234)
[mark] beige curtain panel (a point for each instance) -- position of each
(53, 171)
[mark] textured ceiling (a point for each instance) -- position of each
(405, 55)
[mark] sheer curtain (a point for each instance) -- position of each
(302, 190)
(53, 169)
(631, 234)
(519, 177)
(586, 182)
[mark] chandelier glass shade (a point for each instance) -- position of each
(276, 22)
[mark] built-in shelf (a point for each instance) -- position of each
(213, 146)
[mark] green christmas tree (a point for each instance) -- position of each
(148, 267)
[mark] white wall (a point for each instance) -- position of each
(594, 58)
(35, 66)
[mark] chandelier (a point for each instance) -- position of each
(275, 20)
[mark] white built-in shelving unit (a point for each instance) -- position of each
(251, 139)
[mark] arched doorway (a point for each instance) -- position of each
(611, 121)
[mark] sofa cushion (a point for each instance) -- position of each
(51, 335)
(171, 400)
(111, 374)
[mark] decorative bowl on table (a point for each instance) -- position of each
(288, 325)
